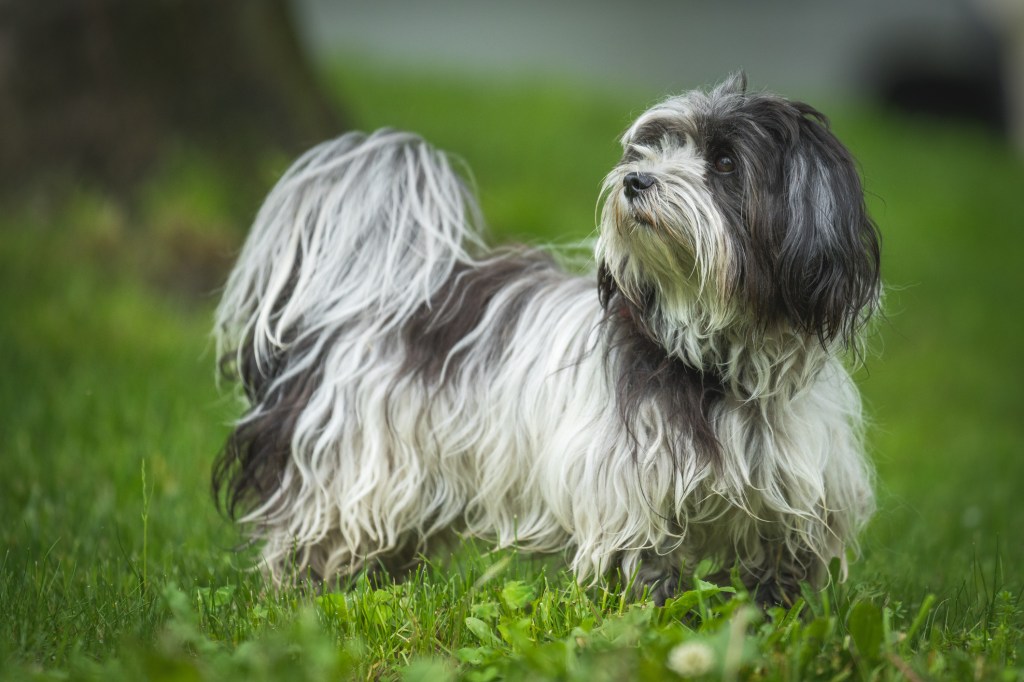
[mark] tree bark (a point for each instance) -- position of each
(99, 88)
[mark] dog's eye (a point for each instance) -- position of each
(724, 164)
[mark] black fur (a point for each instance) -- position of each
(644, 372)
(809, 252)
(248, 469)
(459, 306)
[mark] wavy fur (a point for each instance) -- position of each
(404, 382)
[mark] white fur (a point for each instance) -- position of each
(521, 443)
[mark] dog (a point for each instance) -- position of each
(688, 400)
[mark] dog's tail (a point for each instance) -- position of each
(361, 229)
(356, 236)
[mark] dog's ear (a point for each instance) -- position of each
(828, 266)
(735, 84)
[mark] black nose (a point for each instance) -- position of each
(636, 183)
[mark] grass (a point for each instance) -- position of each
(115, 565)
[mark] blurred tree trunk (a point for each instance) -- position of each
(99, 87)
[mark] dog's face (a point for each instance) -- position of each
(745, 208)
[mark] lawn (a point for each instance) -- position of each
(116, 565)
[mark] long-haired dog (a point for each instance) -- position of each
(686, 401)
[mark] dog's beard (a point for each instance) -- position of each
(668, 248)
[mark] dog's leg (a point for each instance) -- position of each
(659, 577)
(778, 583)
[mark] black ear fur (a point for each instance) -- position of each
(828, 269)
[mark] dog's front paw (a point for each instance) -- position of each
(657, 583)
(776, 591)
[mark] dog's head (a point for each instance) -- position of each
(737, 210)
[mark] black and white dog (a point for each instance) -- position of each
(686, 401)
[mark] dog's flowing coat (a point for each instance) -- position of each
(404, 381)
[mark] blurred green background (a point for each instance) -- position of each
(110, 262)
